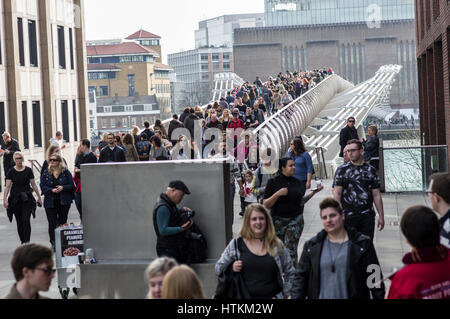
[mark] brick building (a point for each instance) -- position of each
(433, 55)
(126, 68)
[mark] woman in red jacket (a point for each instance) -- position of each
(427, 271)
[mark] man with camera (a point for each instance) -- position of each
(170, 222)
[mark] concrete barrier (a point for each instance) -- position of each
(118, 201)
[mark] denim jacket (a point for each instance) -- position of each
(286, 269)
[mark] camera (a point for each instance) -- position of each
(187, 216)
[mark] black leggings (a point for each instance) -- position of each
(22, 213)
(56, 216)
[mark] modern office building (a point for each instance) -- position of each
(213, 54)
(43, 82)
(433, 55)
(196, 68)
(126, 69)
(354, 38)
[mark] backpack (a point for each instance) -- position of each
(196, 249)
(143, 148)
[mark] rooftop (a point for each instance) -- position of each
(161, 66)
(118, 49)
(142, 34)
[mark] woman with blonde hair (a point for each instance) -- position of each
(58, 188)
(199, 112)
(52, 150)
(155, 274)
(18, 180)
(225, 119)
(260, 256)
(181, 282)
(135, 134)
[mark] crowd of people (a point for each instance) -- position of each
(333, 264)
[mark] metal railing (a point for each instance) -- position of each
(408, 169)
(279, 129)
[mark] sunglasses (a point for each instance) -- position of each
(19, 158)
(47, 271)
(351, 121)
(54, 160)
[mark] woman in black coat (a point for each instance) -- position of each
(58, 188)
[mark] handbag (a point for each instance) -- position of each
(231, 284)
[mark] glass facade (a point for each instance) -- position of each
(315, 12)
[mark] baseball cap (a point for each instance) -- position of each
(180, 186)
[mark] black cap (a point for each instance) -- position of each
(180, 186)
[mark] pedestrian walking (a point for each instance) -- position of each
(18, 198)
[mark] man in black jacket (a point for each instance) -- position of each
(338, 263)
(170, 222)
(173, 125)
(190, 123)
(147, 130)
(347, 133)
(9, 147)
(111, 153)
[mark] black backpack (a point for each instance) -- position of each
(196, 249)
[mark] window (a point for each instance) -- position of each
(226, 65)
(103, 91)
(124, 122)
(226, 56)
(133, 121)
(128, 108)
(21, 48)
(100, 109)
(101, 75)
(113, 123)
(215, 57)
(131, 83)
(32, 42)
(91, 124)
(75, 120)
(61, 48)
(72, 62)
(65, 120)
(118, 108)
(37, 124)
(204, 57)
(205, 67)
(104, 124)
(26, 142)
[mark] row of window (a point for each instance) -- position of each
(124, 122)
(33, 45)
(216, 66)
(99, 91)
(149, 42)
(101, 75)
(127, 108)
(214, 56)
(37, 122)
(162, 88)
(121, 59)
(161, 74)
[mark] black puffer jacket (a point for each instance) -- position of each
(361, 254)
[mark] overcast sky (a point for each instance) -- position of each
(173, 20)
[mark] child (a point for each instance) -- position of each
(250, 198)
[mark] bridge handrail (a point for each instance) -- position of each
(294, 118)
